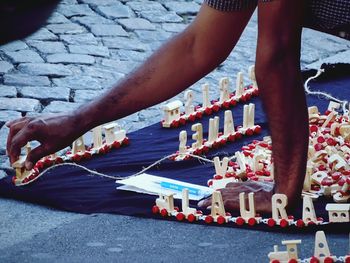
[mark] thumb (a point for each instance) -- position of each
(204, 203)
(34, 156)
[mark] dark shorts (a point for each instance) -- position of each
(331, 16)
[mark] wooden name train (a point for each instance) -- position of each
(217, 139)
(338, 213)
(115, 137)
(173, 118)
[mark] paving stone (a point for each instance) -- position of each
(117, 10)
(45, 69)
(4, 131)
(47, 47)
(93, 50)
(136, 23)
(182, 8)
(157, 16)
(25, 80)
(69, 28)
(4, 160)
(3, 174)
(78, 82)
(57, 18)
(124, 67)
(14, 46)
(60, 106)
(86, 95)
(19, 104)
(75, 10)
(91, 20)
(125, 43)
(79, 39)
(45, 93)
(100, 2)
(132, 55)
(5, 67)
(8, 91)
(148, 36)
(145, 6)
(108, 30)
(343, 57)
(23, 56)
(70, 58)
(174, 27)
(8, 115)
(42, 34)
(103, 73)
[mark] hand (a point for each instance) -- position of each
(263, 192)
(54, 132)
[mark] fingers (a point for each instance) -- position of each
(22, 137)
(15, 127)
(204, 203)
(35, 155)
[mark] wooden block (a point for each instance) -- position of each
(186, 210)
(334, 127)
(205, 92)
(239, 85)
(97, 137)
(313, 110)
(292, 248)
(183, 142)
(340, 163)
(197, 136)
(78, 145)
(280, 256)
(217, 205)
(171, 112)
(344, 131)
(240, 159)
(309, 213)
(340, 198)
(332, 106)
(251, 115)
(221, 167)
(245, 116)
(318, 177)
(229, 127)
(321, 246)
(307, 179)
(338, 213)
(256, 165)
(166, 202)
(224, 89)
(189, 108)
(109, 132)
(331, 116)
(213, 129)
(251, 72)
(246, 214)
(279, 204)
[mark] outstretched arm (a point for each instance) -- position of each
(175, 66)
(279, 80)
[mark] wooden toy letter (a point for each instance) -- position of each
(252, 77)
(229, 127)
(239, 85)
(197, 136)
(206, 100)
(186, 204)
(308, 210)
(224, 89)
(78, 145)
(246, 214)
(217, 205)
(279, 204)
(165, 201)
(221, 167)
(321, 245)
(213, 129)
(109, 132)
(97, 137)
(189, 108)
(183, 142)
(248, 115)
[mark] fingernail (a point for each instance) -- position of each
(29, 165)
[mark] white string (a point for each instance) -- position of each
(93, 172)
(324, 94)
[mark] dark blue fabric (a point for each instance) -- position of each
(72, 189)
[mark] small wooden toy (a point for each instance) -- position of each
(251, 73)
(197, 135)
(189, 108)
(171, 112)
(224, 90)
(78, 146)
(248, 116)
(309, 214)
(288, 256)
(321, 251)
(97, 137)
(183, 142)
(229, 126)
(218, 213)
(249, 216)
(213, 129)
(205, 92)
(338, 213)
(21, 171)
(221, 167)
(165, 204)
(239, 85)
(113, 133)
(191, 214)
(279, 213)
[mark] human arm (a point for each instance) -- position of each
(175, 66)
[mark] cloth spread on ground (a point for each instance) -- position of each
(73, 189)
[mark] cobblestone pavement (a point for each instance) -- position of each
(87, 45)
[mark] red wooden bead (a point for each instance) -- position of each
(192, 117)
(126, 141)
(199, 115)
(238, 135)
(251, 221)
(180, 216)
(240, 221)
(174, 124)
(226, 104)
(231, 138)
(210, 183)
(271, 222)
(87, 155)
(328, 260)
(249, 132)
(257, 130)
(76, 157)
(116, 145)
(59, 160)
(331, 142)
(191, 218)
(314, 260)
(318, 147)
(300, 223)
(293, 260)
(220, 220)
(216, 108)
(209, 219)
(155, 209)
(208, 111)
(313, 128)
(233, 102)
(284, 223)
(218, 177)
(164, 212)
(347, 259)
(275, 261)
(321, 139)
